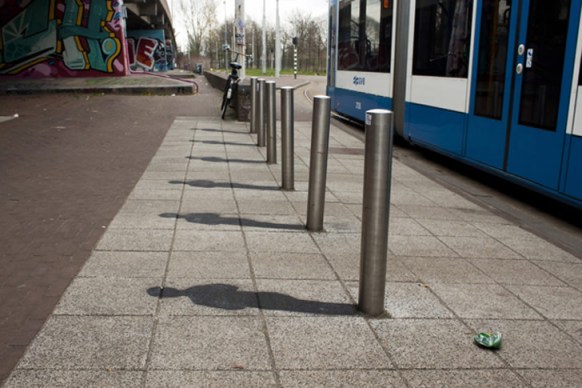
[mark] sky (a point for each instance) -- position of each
(254, 10)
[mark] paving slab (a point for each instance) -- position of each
(208, 276)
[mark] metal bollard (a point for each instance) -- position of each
(375, 211)
(271, 123)
(254, 103)
(287, 138)
(318, 163)
(261, 114)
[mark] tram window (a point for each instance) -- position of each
(442, 38)
(492, 57)
(365, 35)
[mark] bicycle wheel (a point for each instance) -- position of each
(225, 98)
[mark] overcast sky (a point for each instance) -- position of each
(254, 10)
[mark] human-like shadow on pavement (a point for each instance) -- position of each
(229, 297)
(217, 219)
(208, 184)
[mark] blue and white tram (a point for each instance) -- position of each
(495, 83)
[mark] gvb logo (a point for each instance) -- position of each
(359, 80)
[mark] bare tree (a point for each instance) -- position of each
(199, 18)
(311, 35)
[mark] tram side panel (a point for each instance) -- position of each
(476, 82)
(360, 56)
(573, 184)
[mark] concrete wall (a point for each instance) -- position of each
(62, 38)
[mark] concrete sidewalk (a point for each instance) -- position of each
(207, 277)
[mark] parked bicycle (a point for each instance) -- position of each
(231, 82)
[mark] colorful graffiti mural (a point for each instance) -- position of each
(56, 38)
(148, 50)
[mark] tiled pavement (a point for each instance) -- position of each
(250, 298)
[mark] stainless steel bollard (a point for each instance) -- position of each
(287, 138)
(271, 122)
(261, 114)
(254, 103)
(375, 211)
(318, 163)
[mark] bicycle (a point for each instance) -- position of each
(231, 82)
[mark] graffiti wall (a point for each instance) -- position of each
(60, 38)
(148, 50)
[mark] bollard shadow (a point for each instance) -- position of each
(223, 143)
(217, 219)
(208, 184)
(215, 159)
(229, 297)
(219, 130)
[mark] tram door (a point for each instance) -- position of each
(521, 87)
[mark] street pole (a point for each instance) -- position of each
(240, 35)
(225, 39)
(277, 44)
(264, 51)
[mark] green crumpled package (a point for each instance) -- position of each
(489, 340)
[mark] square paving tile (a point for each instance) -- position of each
(218, 297)
(208, 222)
(409, 300)
(432, 270)
(210, 343)
(324, 343)
(108, 296)
(451, 228)
(570, 273)
(303, 297)
(291, 266)
(428, 212)
(462, 378)
(74, 378)
(533, 344)
(161, 220)
(136, 240)
(235, 378)
(224, 241)
(574, 328)
(419, 246)
(505, 231)
(69, 342)
(280, 242)
(258, 206)
(342, 243)
(263, 223)
(428, 344)
(517, 272)
(209, 265)
(483, 301)
(479, 247)
(552, 302)
(407, 227)
(557, 378)
(125, 264)
(539, 249)
(347, 267)
(341, 378)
